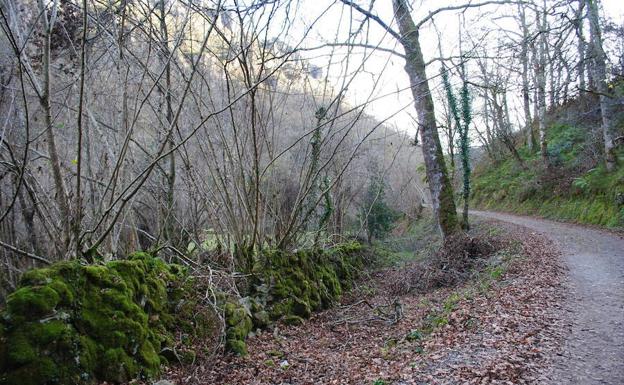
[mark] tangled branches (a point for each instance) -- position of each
(455, 262)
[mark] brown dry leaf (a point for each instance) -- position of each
(504, 335)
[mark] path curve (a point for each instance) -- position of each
(593, 352)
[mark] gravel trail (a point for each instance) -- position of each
(593, 352)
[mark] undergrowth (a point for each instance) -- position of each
(490, 272)
(411, 239)
(467, 267)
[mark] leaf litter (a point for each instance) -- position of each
(500, 327)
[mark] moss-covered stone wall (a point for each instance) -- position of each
(288, 287)
(78, 324)
(305, 281)
(75, 324)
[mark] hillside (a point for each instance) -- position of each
(575, 187)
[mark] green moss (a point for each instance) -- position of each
(21, 352)
(239, 325)
(77, 324)
(187, 356)
(149, 358)
(237, 347)
(32, 302)
(301, 308)
(289, 287)
(261, 319)
(307, 280)
(117, 366)
(44, 372)
(276, 353)
(73, 324)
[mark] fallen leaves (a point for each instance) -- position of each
(500, 334)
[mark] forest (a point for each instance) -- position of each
(293, 192)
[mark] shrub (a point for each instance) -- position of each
(453, 263)
(375, 212)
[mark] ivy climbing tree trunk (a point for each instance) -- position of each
(465, 144)
(442, 201)
(462, 119)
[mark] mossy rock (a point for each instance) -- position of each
(289, 287)
(299, 283)
(237, 347)
(238, 323)
(261, 319)
(77, 324)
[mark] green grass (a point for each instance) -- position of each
(418, 241)
(563, 193)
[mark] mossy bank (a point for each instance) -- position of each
(575, 187)
(75, 324)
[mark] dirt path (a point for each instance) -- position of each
(594, 350)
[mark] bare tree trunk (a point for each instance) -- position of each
(599, 68)
(503, 126)
(28, 213)
(169, 218)
(441, 190)
(552, 86)
(524, 57)
(507, 133)
(449, 131)
(541, 82)
(581, 46)
(59, 184)
(78, 200)
(488, 130)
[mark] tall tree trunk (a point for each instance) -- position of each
(465, 144)
(450, 131)
(59, 184)
(524, 57)
(581, 47)
(540, 76)
(28, 213)
(441, 190)
(168, 218)
(503, 126)
(451, 149)
(599, 69)
(550, 60)
(488, 130)
(79, 124)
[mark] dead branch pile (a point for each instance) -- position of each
(456, 261)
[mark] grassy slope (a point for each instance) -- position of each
(572, 190)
